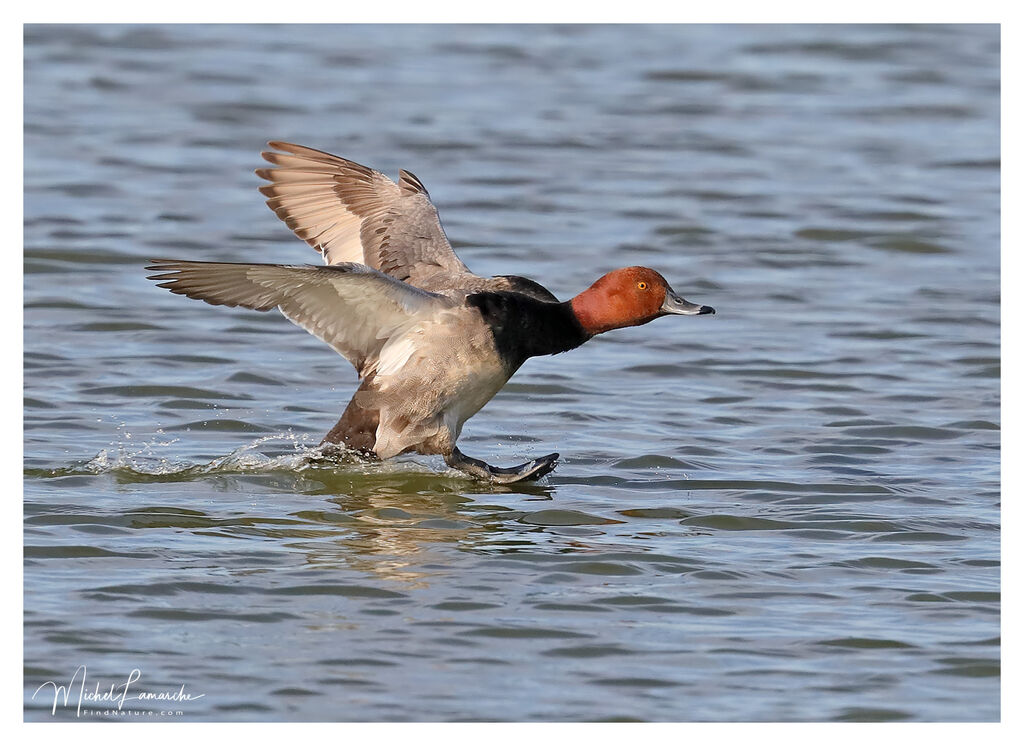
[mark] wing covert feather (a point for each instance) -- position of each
(352, 213)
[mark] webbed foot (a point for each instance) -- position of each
(476, 468)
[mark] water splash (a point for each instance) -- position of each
(135, 459)
(285, 453)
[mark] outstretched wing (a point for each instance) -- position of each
(349, 306)
(352, 213)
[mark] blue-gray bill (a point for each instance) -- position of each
(675, 304)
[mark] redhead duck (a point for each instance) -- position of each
(431, 341)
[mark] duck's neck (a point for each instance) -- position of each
(524, 327)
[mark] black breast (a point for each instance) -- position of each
(524, 327)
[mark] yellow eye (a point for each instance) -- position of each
(642, 285)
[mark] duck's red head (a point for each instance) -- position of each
(629, 297)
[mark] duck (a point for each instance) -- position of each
(431, 341)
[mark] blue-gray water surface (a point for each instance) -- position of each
(788, 511)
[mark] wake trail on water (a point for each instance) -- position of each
(142, 460)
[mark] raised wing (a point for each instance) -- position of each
(351, 307)
(352, 213)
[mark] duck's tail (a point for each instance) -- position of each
(357, 428)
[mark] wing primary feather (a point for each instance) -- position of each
(351, 307)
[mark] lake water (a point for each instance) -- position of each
(788, 511)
